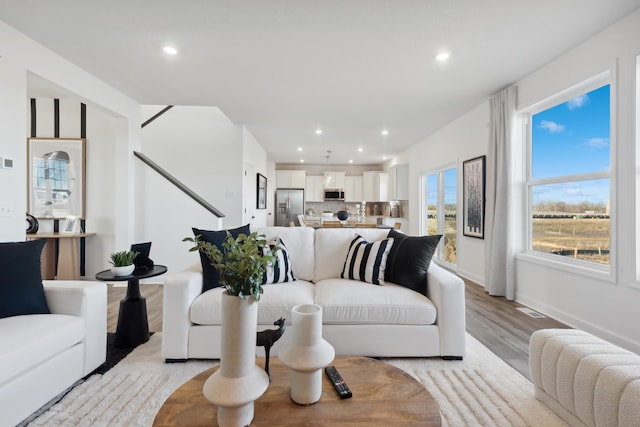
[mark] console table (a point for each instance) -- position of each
(133, 324)
(68, 254)
(383, 395)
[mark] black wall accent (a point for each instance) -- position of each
(33, 117)
(56, 118)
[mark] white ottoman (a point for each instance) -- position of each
(585, 380)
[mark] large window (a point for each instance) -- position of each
(440, 191)
(569, 175)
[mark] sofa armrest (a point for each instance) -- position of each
(447, 292)
(180, 290)
(87, 300)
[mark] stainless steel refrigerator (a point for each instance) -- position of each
(289, 204)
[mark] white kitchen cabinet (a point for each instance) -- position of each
(290, 179)
(353, 189)
(335, 180)
(314, 189)
(375, 186)
(399, 182)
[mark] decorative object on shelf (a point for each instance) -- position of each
(71, 225)
(239, 381)
(306, 353)
(473, 180)
(122, 263)
(261, 185)
(32, 224)
(56, 177)
(267, 338)
(342, 215)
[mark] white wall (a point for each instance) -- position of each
(606, 308)
(207, 152)
(21, 57)
(256, 156)
(462, 139)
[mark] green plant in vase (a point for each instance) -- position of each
(122, 258)
(241, 263)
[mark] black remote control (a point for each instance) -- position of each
(341, 387)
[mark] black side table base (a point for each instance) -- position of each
(133, 327)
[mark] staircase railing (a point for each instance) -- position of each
(172, 179)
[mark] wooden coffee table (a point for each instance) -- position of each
(383, 395)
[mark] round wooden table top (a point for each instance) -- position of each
(383, 395)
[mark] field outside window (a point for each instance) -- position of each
(569, 177)
(441, 212)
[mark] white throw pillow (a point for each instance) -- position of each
(366, 261)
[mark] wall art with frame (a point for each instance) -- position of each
(56, 177)
(473, 184)
(261, 198)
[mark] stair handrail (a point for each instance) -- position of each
(172, 179)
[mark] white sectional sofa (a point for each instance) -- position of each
(41, 355)
(359, 318)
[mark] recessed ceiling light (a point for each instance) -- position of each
(360, 150)
(385, 132)
(350, 161)
(299, 148)
(442, 56)
(170, 50)
(384, 157)
(318, 131)
(301, 160)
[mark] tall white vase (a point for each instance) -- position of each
(239, 381)
(306, 353)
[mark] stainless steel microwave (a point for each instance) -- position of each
(334, 194)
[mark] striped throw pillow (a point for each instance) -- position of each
(281, 270)
(366, 261)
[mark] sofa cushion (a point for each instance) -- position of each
(276, 302)
(332, 245)
(281, 270)
(409, 260)
(29, 340)
(366, 261)
(21, 290)
(300, 245)
(210, 275)
(350, 302)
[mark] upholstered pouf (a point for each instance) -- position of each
(585, 380)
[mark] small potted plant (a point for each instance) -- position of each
(122, 263)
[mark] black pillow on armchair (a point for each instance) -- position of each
(409, 260)
(210, 276)
(21, 290)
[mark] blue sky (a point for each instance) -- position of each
(573, 138)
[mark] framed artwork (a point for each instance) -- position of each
(261, 200)
(473, 181)
(56, 177)
(71, 225)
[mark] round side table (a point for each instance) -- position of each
(133, 325)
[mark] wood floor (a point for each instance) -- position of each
(494, 321)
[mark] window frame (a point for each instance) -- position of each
(578, 266)
(440, 172)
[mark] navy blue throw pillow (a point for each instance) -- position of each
(21, 290)
(409, 260)
(210, 276)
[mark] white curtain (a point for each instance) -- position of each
(500, 203)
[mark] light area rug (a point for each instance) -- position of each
(481, 390)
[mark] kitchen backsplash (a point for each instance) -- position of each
(398, 209)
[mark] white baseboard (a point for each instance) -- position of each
(578, 323)
(469, 276)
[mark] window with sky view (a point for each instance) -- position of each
(569, 178)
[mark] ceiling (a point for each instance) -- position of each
(285, 68)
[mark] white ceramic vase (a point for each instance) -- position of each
(123, 270)
(239, 381)
(306, 353)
